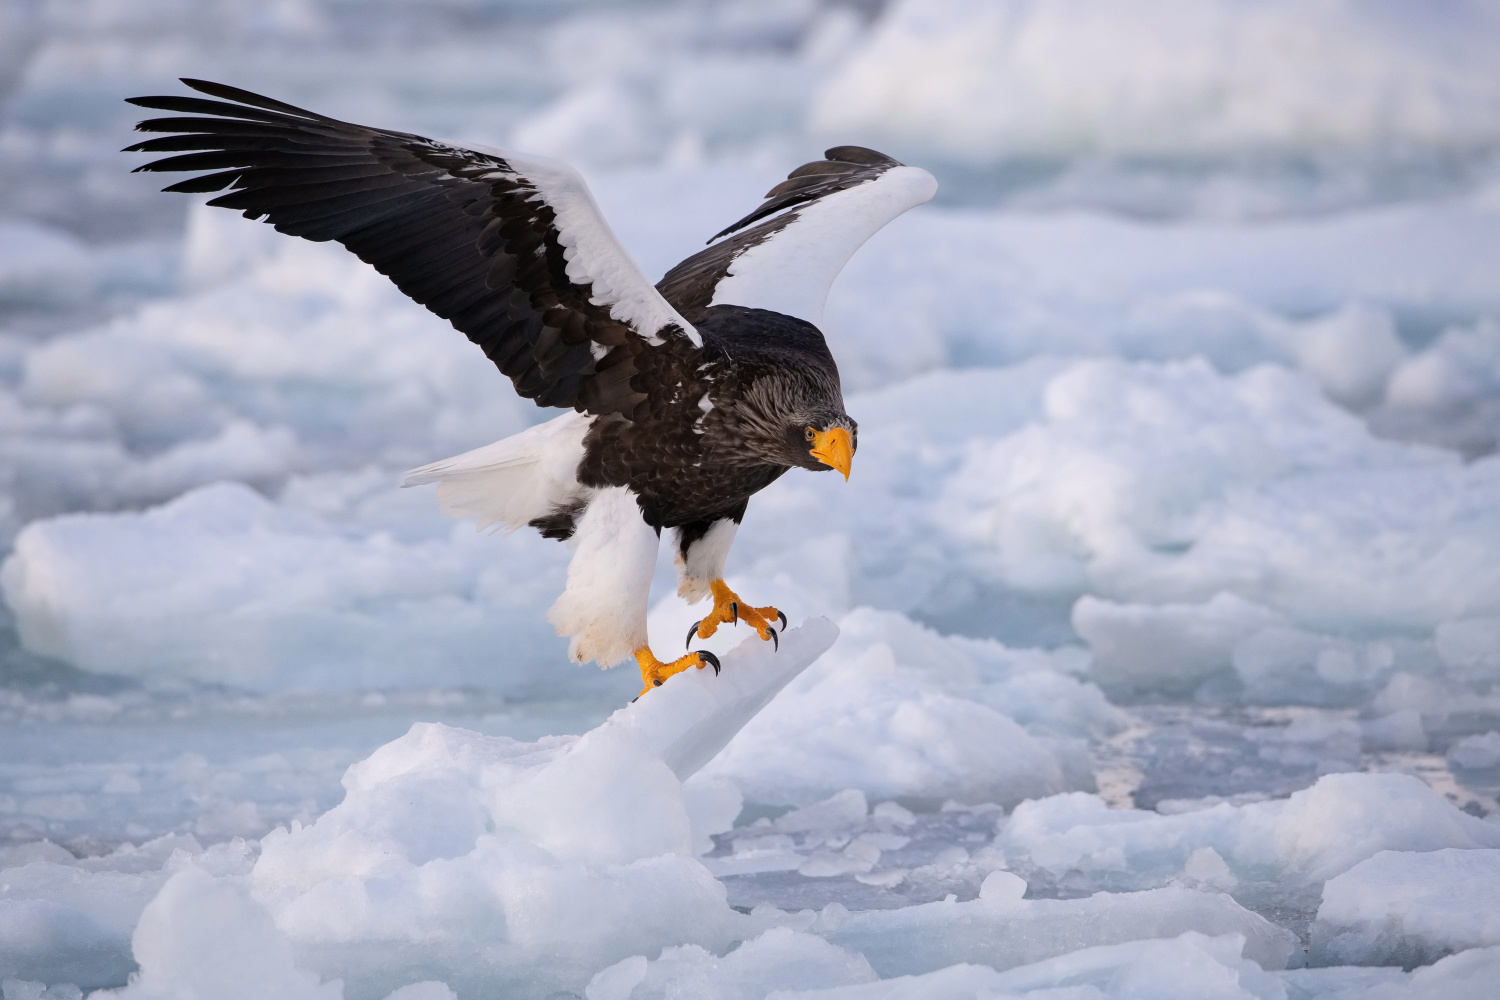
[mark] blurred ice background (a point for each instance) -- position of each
(1171, 563)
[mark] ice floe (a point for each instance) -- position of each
(1314, 834)
(567, 862)
(1410, 908)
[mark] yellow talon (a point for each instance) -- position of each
(654, 671)
(728, 608)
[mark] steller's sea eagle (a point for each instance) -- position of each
(686, 397)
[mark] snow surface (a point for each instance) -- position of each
(1165, 586)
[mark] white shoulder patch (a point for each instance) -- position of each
(792, 271)
(594, 253)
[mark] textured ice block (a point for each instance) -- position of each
(1409, 908)
(1002, 930)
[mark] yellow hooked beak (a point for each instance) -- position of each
(833, 448)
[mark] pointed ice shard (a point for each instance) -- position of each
(695, 714)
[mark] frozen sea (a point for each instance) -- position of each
(1152, 651)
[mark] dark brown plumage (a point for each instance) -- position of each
(769, 371)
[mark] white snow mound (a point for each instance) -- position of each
(1190, 966)
(514, 867)
(1001, 929)
(1409, 908)
(1315, 834)
(898, 711)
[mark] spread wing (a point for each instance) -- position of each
(814, 222)
(511, 249)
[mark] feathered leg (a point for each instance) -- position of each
(702, 548)
(603, 608)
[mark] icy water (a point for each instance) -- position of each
(1168, 578)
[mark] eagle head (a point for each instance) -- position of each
(795, 418)
(824, 441)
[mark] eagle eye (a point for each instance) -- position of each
(810, 434)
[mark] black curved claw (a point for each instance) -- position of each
(734, 609)
(782, 616)
(775, 642)
(656, 683)
(710, 659)
(692, 633)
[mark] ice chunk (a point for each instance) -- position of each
(1351, 353)
(1469, 975)
(1165, 484)
(1398, 730)
(791, 965)
(1313, 835)
(1190, 966)
(779, 959)
(204, 938)
(1476, 751)
(42, 266)
(842, 809)
(224, 585)
(1448, 392)
(1279, 664)
(603, 121)
(16, 855)
(1406, 908)
(1346, 818)
(38, 263)
(57, 943)
(690, 723)
(427, 989)
(875, 716)
(1205, 868)
(1168, 647)
(1000, 929)
(65, 919)
(21, 989)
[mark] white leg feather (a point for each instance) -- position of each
(603, 608)
(705, 560)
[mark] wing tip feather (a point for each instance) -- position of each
(802, 185)
(862, 155)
